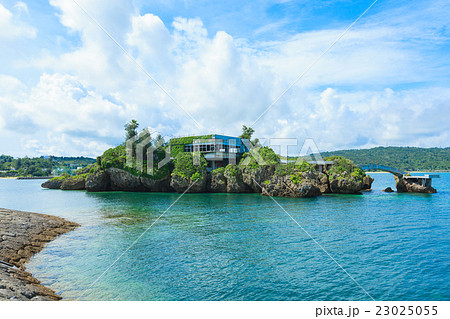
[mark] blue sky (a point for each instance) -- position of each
(67, 89)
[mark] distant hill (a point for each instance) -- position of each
(404, 158)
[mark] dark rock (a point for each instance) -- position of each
(322, 183)
(367, 182)
(74, 183)
(388, 190)
(254, 177)
(156, 185)
(121, 180)
(54, 183)
(235, 183)
(181, 184)
(405, 186)
(345, 183)
(218, 183)
(98, 182)
(284, 186)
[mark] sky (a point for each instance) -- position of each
(72, 73)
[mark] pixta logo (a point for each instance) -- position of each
(143, 149)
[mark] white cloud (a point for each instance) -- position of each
(11, 27)
(21, 7)
(85, 95)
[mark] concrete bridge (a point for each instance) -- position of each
(392, 170)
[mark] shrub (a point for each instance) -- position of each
(291, 168)
(342, 165)
(177, 144)
(296, 178)
(184, 165)
(266, 153)
(232, 170)
(218, 171)
(116, 157)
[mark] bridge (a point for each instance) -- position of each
(392, 170)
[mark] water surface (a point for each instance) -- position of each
(243, 246)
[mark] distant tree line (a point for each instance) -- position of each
(40, 166)
(404, 158)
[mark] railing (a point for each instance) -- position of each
(392, 170)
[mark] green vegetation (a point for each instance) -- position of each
(292, 168)
(131, 129)
(116, 157)
(404, 158)
(218, 171)
(266, 153)
(232, 170)
(184, 166)
(296, 178)
(41, 166)
(247, 132)
(177, 144)
(342, 165)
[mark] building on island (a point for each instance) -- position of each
(217, 149)
(424, 180)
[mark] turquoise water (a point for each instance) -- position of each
(244, 246)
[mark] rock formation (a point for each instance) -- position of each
(404, 185)
(290, 180)
(54, 183)
(285, 186)
(367, 182)
(345, 183)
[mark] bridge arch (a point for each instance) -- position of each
(388, 169)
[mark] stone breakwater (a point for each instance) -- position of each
(22, 235)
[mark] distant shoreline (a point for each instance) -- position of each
(437, 171)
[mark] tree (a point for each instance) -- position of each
(131, 129)
(247, 132)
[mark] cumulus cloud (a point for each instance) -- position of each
(85, 95)
(11, 27)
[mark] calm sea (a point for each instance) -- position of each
(243, 246)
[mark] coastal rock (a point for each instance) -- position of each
(405, 186)
(218, 183)
(76, 182)
(181, 184)
(367, 182)
(254, 177)
(322, 182)
(54, 183)
(121, 180)
(345, 183)
(285, 186)
(98, 182)
(156, 185)
(235, 183)
(388, 190)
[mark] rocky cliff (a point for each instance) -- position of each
(274, 179)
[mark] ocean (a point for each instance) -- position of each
(243, 246)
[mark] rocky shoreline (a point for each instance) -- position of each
(299, 179)
(23, 234)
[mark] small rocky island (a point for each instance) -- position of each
(303, 179)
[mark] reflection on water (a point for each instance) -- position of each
(243, 246)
